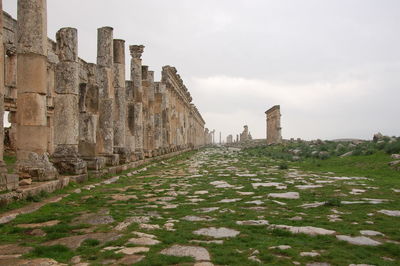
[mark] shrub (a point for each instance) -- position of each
(283, 166)
(392, 148)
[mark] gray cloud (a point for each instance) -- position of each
(334, 66)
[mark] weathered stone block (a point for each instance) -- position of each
(95, 163)
(67, 78)
(32, 73)
(66, 126)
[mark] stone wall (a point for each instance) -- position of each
(68, 115)
(274, 125)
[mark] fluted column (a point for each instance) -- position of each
(32, 131)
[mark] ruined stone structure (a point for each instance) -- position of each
(229, 139)
(245, 135)
(68, 115)
(274, 125)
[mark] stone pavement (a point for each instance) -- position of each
(213, 207)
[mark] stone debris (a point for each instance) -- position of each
(221, 184)
(149, 226)
(281, 247)
(309, 254)
(242, 193)
(256, 202)
(135, 250)
(371, 233)
(94, 219)
(390, 213)
(219, 242)
(229, 200)
(74, 242)
(271, 184)
(359, 240)
(303, 187)
(201, 192)
(191, 218)
(308, 230)
(131, 259)
(253, 222)
(287, 195)
(144, 241)
(198, 253)
(221, 232)
(312, 205)
(206, 210)
(45, 224)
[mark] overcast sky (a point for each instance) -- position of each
(332, 65)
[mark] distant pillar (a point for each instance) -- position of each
(158, 113)
(66, 105)
(136, 77)
(274, 129)
(150, 124)
(32, 130)
(120, 106)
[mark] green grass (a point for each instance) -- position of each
(274, 165)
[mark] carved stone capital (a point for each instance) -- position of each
(136, 51)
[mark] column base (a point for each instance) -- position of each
(125, 155)
(37, 167)
(95, 163)
(66, 160)
(111, 159)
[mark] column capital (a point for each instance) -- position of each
(136, 51)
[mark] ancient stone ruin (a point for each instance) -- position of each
(245, 135)
(68, 115)
(274, 125)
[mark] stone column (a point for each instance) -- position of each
(145, 102)
(158, 110)
(66, 105)
(136, 77)
(130, 119)
(120, 102)
(32, 131)
(151, 98)
(105, 54)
